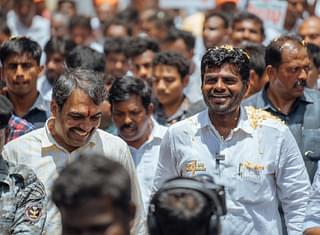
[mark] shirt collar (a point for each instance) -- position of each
(265, 103)
(243, 123)
(158, 130)
(40, 104)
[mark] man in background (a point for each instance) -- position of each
(93, 194)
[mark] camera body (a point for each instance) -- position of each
(216, 189)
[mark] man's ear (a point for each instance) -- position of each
(271, 72)
(185, 81)
(132, 213)
(40, 70)
(54, 108)
(150, 109)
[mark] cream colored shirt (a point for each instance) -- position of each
(47, 158)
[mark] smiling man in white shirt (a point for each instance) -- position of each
(250, 152)
(76, 114)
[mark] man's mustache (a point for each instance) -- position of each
(301, 83)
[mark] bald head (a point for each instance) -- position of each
(310, 30)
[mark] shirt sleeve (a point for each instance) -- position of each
(139, 226)
(167, 165)
(312, 218)
(30, 215)
(293, 184)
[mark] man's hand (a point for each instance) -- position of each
(312, 231)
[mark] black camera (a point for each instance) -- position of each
(218, 190)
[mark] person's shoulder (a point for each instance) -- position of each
(27, 179)
(34, 136)
(189, 124)
(252, 100)
(312, 94)
(41, 21)
(110, 139)
(261, 118)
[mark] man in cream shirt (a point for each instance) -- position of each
(72, 129)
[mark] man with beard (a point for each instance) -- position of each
(131, 108)
(76, 112)
(56, 50)
(249, 151)
(285, 96)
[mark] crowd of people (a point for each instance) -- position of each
(142, 120)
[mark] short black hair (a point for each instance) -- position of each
(58, 45)
(161, 19)
(138, 45)
(176, 34)
(314, 54)
(72, 2)
(86, 58)
(123, 88)
(217, 56)
(117, 21)
(214, 13)
(273, 55)
(20, 45)
(89, 81)
(80, 21)
(89, 177)
(182, 211)
(174, 59)
(115, 45)
(256, 52)
(244, 15)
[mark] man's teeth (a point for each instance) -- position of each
(79, 132)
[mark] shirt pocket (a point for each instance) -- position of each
(252, 187)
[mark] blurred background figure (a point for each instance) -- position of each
(24, 21)
(313, 81)
(141, 52)
(257, 77)
(309, 30)
(93, 194)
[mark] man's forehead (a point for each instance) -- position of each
(20, 58)
(290, 50)
(228, 67)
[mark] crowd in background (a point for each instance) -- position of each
(144, 67)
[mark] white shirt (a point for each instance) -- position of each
(261, 164)
(47, 158)
(45, 88)
(312, 218)
(39, 30)
(146, 159)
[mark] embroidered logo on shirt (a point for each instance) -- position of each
(251, 166)
(33, 212)
(194, 166)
